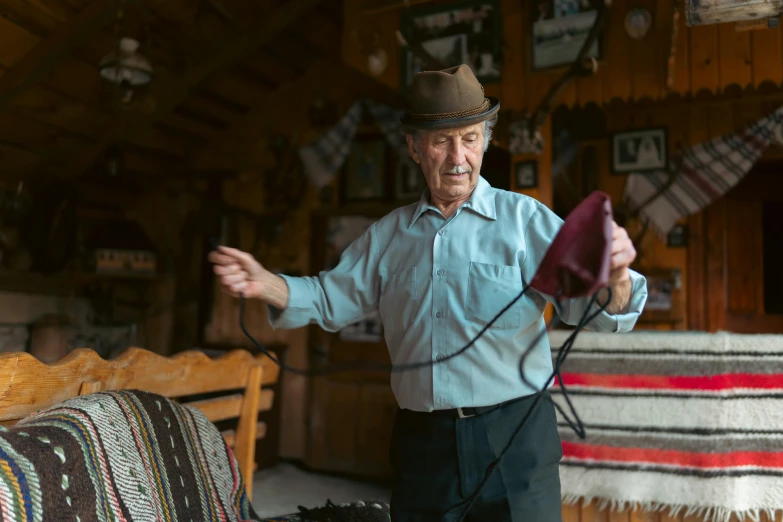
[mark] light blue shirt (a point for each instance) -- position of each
(437, 282)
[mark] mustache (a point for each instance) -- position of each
(459, 170)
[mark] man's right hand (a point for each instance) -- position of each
(239, 272)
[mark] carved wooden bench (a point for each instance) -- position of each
(27, 386)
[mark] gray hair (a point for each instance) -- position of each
(489, 125)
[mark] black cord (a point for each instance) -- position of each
(368, 365)
(562, 354)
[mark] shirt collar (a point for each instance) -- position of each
(482, 202)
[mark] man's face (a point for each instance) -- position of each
(450, 159)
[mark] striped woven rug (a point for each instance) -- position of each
(686, 421)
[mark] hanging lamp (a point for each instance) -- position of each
(126, 68)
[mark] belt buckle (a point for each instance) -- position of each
(462, 415)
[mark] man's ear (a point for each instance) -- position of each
(412, 148)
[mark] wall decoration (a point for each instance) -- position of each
(341, 232)
(365, 172)
(558, 30)
(662, 285)
(677, 237)
(409, 181)
(526, 174)
(466, 32)
(637, 22)
(643, 150)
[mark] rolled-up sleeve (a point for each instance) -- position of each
(334, 298)
(540, 232)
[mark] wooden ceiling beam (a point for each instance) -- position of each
(237, 45)
(53, 50)
(235, 146)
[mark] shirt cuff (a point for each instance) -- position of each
(300, 304)
(623, 322)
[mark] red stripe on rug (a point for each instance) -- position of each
(595, 452)
(682, 382)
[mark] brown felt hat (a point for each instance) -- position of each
(447, 99)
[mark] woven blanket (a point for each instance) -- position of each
(119, 456)
(706, 172)
(685, 421)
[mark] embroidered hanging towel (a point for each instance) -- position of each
(706, 172)
(326, 155)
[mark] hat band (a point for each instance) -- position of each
(449, 115)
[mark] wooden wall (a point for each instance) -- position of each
(707, 58)
(630, 87)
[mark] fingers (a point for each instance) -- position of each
(622, 258)
(243, 258)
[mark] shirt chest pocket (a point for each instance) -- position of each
(490, 289)
(399, 300)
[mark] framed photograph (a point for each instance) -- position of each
(558, 30)
(365, 172)
(340, 233)
(409, 181)
(466, 32)
(643, 150)
(526, 174)
(677, 237)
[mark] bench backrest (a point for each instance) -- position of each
(28, 385)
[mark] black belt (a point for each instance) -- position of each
(472, 411)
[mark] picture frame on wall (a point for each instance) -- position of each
(366, 169)
(468, 32)
(409, 180)
(341, 231)
(526, 174)
(558, 29)
(640, 150)
(677, 237)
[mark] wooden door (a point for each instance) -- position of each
(734, 285)
(351, 414)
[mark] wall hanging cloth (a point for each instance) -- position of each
(681, 422)
(326, 155)
(126, 455)
(706, 172)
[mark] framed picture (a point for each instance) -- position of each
(365, 172)
(677, 237)
(643, 150)
(558, 30)
(466, 32)
(341, 231)
(409, 181)
(526, 174)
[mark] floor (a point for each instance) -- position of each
(280, 490)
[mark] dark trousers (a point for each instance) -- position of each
(439, 460)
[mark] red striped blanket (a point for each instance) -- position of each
(685, 421)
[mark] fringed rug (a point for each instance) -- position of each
(682, 422)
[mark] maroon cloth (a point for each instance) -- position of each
(577, 261)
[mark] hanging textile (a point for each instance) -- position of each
(706, 172)
(326, 155)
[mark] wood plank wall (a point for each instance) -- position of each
(709, 58)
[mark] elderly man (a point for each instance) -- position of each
(438, 271)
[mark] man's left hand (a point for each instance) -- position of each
(623, 254)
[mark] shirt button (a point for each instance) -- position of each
(441, 232)
(439, 357)
(439, 314)
(440, 271)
